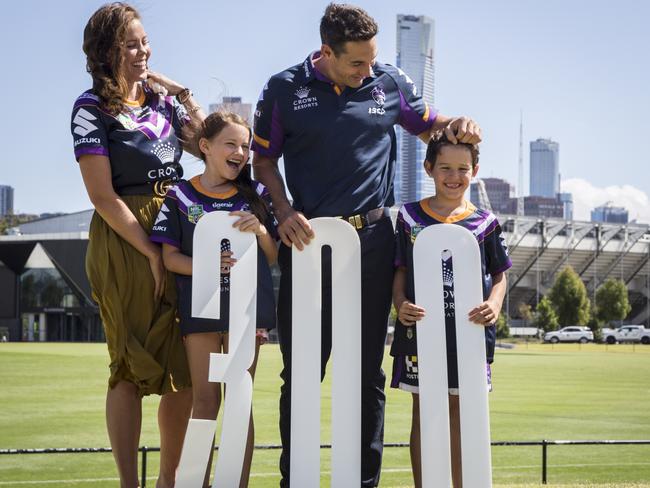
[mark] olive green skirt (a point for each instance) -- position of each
(144, 341)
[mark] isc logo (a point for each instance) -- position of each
(376, 110)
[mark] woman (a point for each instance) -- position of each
(127, 142)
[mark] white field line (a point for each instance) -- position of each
(274, 474)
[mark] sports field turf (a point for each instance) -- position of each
(52, 395)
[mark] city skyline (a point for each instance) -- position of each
(577, 86)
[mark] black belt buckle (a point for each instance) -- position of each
(161, 187)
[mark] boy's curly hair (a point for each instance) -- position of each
(440, 140)
(343, 23)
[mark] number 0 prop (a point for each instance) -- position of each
(231, 368)
(346, 356)
(432, 364)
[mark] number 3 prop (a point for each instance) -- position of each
(432, 364)
(346, 356)
(231, 368)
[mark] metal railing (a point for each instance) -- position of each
(144, 450)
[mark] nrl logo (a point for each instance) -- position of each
(378, 95)
(302, 92)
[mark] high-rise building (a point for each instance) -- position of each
(234, 104)
(536, 206)
(6, 200)
(610, 214)
(499, 193)
(567, 201)
(544, 168)
(415, 42)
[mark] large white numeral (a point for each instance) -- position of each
(432, 354)
(346, 356)
(231, 368)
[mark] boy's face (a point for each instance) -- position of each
(452, 173)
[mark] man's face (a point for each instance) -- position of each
(353, 64)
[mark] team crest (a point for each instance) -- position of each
(415, 230)
(194, 213)
(378, 95)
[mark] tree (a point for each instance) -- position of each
(525, 312)
(545, 317)
(611, 301)
(503, 329)
(569, 298)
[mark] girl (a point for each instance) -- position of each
(452, 167)
(223, 140)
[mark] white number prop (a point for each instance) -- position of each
(346, 356)
(432, 354)
(231, 368)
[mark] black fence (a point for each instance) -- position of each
(144, 450)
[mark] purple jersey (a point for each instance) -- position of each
(411, 219)
(141, 142)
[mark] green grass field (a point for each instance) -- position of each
(52, 395)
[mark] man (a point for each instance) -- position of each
(332, 118)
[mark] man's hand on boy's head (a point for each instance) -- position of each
(464, 130)
(409, 313)
(486, 313)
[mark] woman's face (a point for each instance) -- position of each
(136, 53)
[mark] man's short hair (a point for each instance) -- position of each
(343, 23)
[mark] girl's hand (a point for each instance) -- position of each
(161, 84)
(248, 222)
(485, 314)
(159, 274)
(409, 313)
(261, 336)
(227, 261)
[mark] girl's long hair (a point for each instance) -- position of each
(211, 127)
(104, 38)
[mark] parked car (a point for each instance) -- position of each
(570, 334)
(627, 333)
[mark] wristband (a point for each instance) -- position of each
(183, 96)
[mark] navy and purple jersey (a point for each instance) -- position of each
(339, 146)
(141, 142)
(184, 205)
(411, 219)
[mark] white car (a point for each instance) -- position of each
(627, 333)
(570, 334)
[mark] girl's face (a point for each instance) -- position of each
(227, 152)
(136, 53)
(452, 173)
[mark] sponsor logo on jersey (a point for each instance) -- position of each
(162, 215)
(83, 124)
(303, 100)
(87, 140)
(164, 151)
(194, 213)
(161, 173)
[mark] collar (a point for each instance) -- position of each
(309, 72)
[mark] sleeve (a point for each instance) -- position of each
(402, 241)
(180, 117)
(415, 115)
(167, 228)
(268, 133)
(89, 132)
(270, 223)
(496, 250)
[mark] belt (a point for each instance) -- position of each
(155, 188)
(359, 221)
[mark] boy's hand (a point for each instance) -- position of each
(409, 313)
(486, 313)
(227, 261)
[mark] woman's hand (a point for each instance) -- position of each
(159, 273)
(409, 313)
(248, 222)
(159, 83)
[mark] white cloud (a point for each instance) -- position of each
(587, 196)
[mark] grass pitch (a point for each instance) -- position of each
(52, 395)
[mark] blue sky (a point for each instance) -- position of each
(577, 68)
